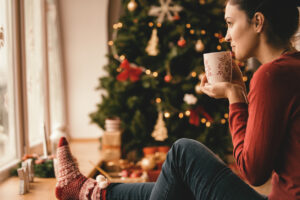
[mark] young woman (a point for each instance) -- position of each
(265, 132)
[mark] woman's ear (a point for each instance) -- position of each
(258, 22)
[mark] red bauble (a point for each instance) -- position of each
(181, 42)
(168, 78)
(176, 17)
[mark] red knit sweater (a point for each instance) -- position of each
(266, 133)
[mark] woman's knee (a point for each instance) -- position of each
(185, 143)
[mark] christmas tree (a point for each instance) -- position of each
(155, 62)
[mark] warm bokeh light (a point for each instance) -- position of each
(180, 115)
(208, 124)
(155, 74)
(158, 100)
(187, 113)
(193, 74)
(167, 114)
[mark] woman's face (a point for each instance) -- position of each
(240, 32)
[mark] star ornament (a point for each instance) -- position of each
(166, 10)
(129, 72)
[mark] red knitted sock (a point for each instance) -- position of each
(71, 184)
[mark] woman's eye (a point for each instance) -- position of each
(229, 23)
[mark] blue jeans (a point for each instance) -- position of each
(191, 171)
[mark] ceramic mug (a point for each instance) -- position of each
(218, 66)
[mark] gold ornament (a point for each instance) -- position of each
(160, 132)
(199, 46)
(132, 5)
(202, 2)
(151, 48)
(148, 163)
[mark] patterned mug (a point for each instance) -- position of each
(218, 66)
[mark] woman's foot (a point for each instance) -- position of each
(71, 184)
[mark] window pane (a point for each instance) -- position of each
(55, 68)
(7, 113)
(35, 69)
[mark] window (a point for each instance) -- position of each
(31, 79)
(35, 69)
(8, 150)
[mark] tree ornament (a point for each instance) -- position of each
(168, 78)
(176, 17)
(151, 48)
(181, 42)
(148, 163)
(160, 132)
(164, 11)
(132, 5)
(190, 99)
(129, 72)
(199, 46)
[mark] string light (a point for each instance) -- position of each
(187, 113)
(245, 78)
(226, 115)
(120, 25)
(148, 71)
(219, 47)
(192, 31)
(167, 114)
(155, 74)
(223, 121)
(203, 120)
(194, 74)
(222, 40)
(217, 35)
(208, 124)
(110, 43)
(203, 32)
(158, 100)
(119, 69)
(180, 115)
(188, 25)
(115, 26)
(158, 25)
(150, 24)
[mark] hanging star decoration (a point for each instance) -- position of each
(166, 10)
(129, 72)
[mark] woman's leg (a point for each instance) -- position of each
(190, 164)
(129, 191)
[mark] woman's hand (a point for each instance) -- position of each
(234, 91)
(217, 90)
(237, 76)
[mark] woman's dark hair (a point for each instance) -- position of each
(282, 17)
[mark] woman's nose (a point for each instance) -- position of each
(227, 37)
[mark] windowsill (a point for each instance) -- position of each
(84, 150)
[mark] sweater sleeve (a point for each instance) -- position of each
(257, 129)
